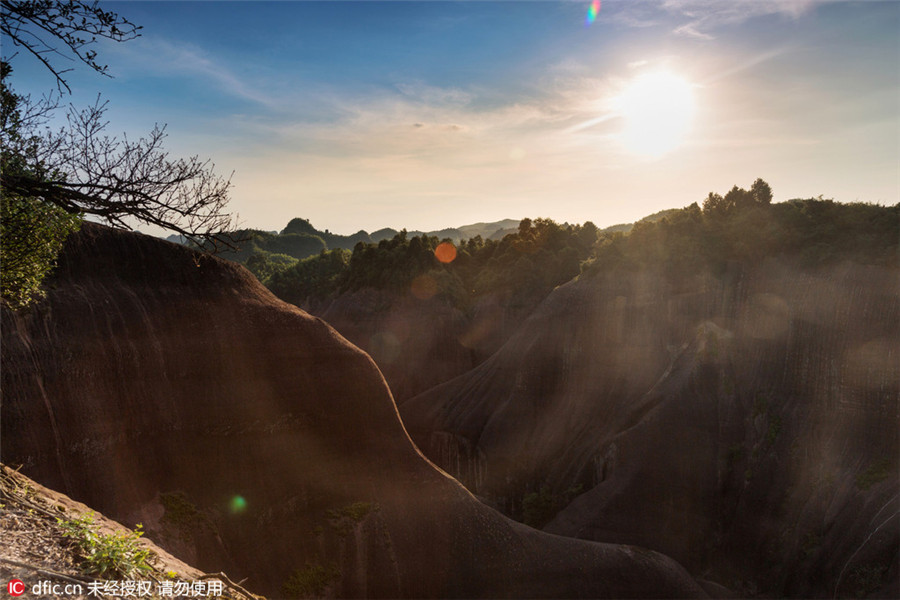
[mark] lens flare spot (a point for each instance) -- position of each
(385, 347)
(593, 11)
(237, 505)
(423, 287)
(445, 252)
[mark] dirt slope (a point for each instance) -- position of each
(37, 550)
(167, 388)
(746, 424)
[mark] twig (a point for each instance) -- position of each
(48, 572)
(229, 583)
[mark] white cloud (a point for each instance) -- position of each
(701, 18)
(433, 95)
(691, 30)
(161, 56)
(706, 16)
(748, 64)
(735, 11)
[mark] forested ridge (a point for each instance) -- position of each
(538, 257)
(741, 226)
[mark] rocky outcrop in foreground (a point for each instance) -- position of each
(169, 388)
(47, 539)
(744, 424)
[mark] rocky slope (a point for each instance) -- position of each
(40, 551)
(168, 388)
(419, 343)
(745, 424)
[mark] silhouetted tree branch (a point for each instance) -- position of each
(51, 179)
(84, 171)
(53, 28)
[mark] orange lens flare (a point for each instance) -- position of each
(445, 252)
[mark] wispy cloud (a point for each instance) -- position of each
(691, 30)
(429, 94)
(411, 140)
(749, 63)
(158, 55)
(702, 18)
(706, 16)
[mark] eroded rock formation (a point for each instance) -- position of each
(169, 388)
(745, 424)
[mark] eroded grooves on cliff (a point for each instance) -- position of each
(249, 437)
(744, 423)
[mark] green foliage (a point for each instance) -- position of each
(523, 267)
(254, 241)
(302, 226)
(32, 233)
(316, 277)
(84, 171)
(310, 581)
(297, 245)
(344, 519)
(760, 405)
(875, 473)
(539, 508)
(810, 543)
(112, 555)
(865, 579)
(183, 515)
(265, 264)
(736, 453)
(743, 227)
(774, 429)
(356, 511)
(177, 509)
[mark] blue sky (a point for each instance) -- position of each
(362, 115)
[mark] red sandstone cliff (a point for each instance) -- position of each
(746, 425)
(162, 386)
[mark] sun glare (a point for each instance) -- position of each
(658, 109)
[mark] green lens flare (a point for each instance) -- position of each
(238, 504)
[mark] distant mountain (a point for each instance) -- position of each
(177, 239)
(494, 230)
(487, 230)
(259, 240)
(347, 242)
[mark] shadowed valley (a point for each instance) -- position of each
(166, 387)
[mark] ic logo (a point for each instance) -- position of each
(16, 587)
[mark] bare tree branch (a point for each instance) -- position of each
(85, 171)
(81, 168)
(64, 28)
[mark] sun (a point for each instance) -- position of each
(658, 109)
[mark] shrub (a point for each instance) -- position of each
(876, 473)
(32, 233)
(107, 555)
(310, 581)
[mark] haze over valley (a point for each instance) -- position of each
(502, 300)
